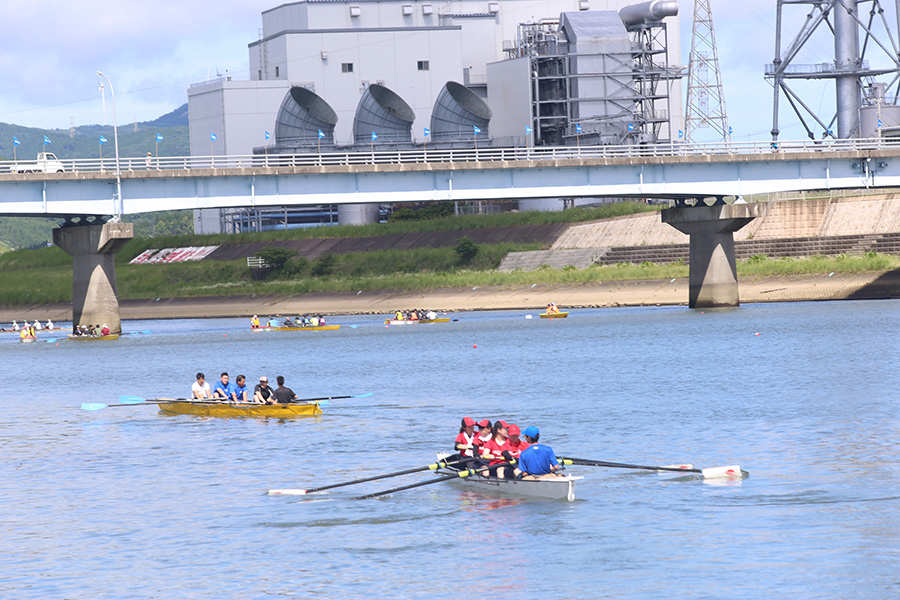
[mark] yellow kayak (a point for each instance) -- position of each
(230, 409)
(316, 328)
(111, 336)
(559, 315)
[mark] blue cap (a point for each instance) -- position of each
(531, 431)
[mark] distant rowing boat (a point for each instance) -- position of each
(559, 315)
(551, 487)
(95, 338)
(231, 409)
(416, 321)
(27, 339)
(310, 328)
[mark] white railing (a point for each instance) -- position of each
(467, 155)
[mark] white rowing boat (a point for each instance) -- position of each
(552, 487)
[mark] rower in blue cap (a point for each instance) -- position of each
(537, 459)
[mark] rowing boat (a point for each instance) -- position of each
(552, 487)
(310, 328)
(416, 321)
(559, 315)
(231, 409)
(27, 339)
(111, 336)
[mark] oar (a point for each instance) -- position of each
(729, 471)
(98, 406)
(331, 398)
(431, 467)
(462, 473)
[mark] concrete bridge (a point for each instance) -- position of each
(687, 174)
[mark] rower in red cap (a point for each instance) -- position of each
(516, 444)
(484, 435)
(466, 438)
(497, 448)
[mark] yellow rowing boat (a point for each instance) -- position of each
(416, 321)
(310, 328)
(111, 336)
(559, 315)
(231, 409)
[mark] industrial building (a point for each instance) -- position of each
(332, 75)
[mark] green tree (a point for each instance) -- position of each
(324, 266)
(466, 249)
(276, 256)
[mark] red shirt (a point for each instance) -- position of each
(464, 440)
(496, 449)
(516, 449)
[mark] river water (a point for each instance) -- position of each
(127, 503)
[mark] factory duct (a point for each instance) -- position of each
(457, 112)
(303, 114)
(384, 113)
(648, 12)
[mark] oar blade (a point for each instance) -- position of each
(732, 471)
(93, 406)
(363, 395)
(287, 492)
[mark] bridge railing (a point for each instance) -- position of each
(427, 155)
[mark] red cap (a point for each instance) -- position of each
(468, 422)
(501, 424)
(514, 430)
(484, 423)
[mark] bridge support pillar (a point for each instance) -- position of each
(713, 274)
(95, 300)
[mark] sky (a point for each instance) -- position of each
(153, 51)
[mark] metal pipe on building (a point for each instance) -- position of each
(846, 58)
(649, 12)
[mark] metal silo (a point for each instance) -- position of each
(457, 113)
(384, 113)
(303, 114)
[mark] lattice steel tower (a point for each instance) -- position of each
(705, 98)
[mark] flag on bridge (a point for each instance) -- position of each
(102, 140)
(321, 134)
(730, 130)
(577, 128)
(527, 130)
(16, 141)
(267, 135)
(631, 127)
(212, 137)
(680, 134)
(475, 129)
(159, 138)
(46, 140)
(374, 136)
(427, 132)
(879, 123)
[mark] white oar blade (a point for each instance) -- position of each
(685, 466)
(733, 471)
(287, 492)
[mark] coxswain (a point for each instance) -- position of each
(254, 322)
(104, 330)
(516, 443)
(496, 449)
(321, 321)
(284, 394)
(430, 315)
(537, 459)
(464, 444)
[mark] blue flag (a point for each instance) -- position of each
(212, 137)
(577, 128)
(267, 135)
(527, 130)
(730, 130)
(879, 122)
(16, 141)
(374, 136)
(427, 132)
(631, 127)
(159, 138)
(102, 140)
(475, 128)
(680, 134)
(321, 134)
(46, 140)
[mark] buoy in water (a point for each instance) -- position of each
(474, 345)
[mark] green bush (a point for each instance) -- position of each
(276, 256)
(466, 249)
(324, 266)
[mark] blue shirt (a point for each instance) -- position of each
(240, 390)
(225, 390)
(537, 459)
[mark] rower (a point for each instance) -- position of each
(224, 389)
(497, 449)
(240, 389)
(537, 460)
(200, 389)
(284, 394)
(516, 444)
(254, 322)
(104, 330)
(262, 393)
(466, 438)
(484, 435)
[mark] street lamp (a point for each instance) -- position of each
(121, 207)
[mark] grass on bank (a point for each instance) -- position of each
(227, 278)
